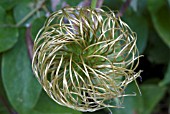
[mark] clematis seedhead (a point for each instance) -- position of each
(84, 58)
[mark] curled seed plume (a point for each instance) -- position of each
(85, 57)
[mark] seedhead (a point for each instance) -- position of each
(84, 58)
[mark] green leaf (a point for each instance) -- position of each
(166, 79)
(25, 11)
(6, 18)
(157, 51)
(8, 4)
(46, 105)
(161, 22)
(131, 104)
(161, 19)
(155, 5)
(37, 24)
(3, 99)
(2, 15)
(8, 37)
(21, 10)
(142, 6)
(151, 95)
(138, 24)
(18, 9)
(21, 86)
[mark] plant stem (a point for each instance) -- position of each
(93, 4)
(29, 42)
(30, 14)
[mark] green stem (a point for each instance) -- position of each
(30, 14)
(93, 4)
(26, 17)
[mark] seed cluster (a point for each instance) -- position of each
(85, 58)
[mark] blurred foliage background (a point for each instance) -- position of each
(20, 20)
